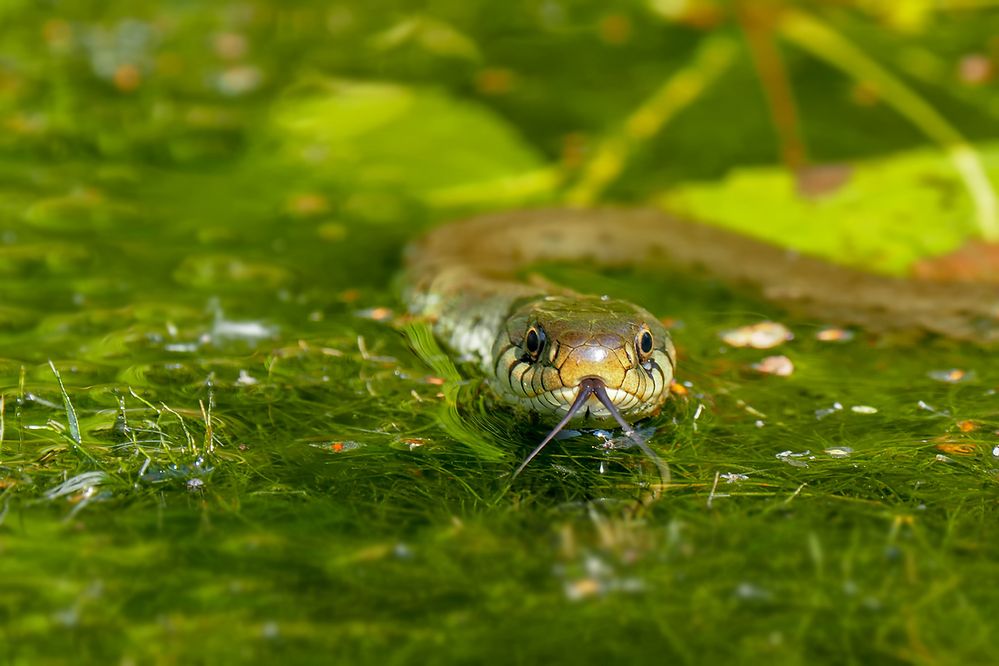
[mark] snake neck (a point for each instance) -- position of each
(468, 311)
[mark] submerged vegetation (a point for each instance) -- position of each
(221, 441)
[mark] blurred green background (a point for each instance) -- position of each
(215, 447)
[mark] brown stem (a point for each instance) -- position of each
(758, 25)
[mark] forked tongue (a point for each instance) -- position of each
(594, 386)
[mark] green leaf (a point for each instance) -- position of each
(423, 142)
(886, 214)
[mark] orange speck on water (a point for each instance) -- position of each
(127, 77)
(966, 426)
(678, 389)
(834, 335)
(436, 381)
(494, 81)
(975, 69)
(308, 204)
(380, 314)
(956, 449)
(583, 588)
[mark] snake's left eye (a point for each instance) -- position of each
(534, 341)
(644, 344)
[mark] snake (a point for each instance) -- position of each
(573, 357)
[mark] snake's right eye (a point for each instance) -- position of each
(534, 341)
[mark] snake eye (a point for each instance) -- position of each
(644, 344)
(534, 341)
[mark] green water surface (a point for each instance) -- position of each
(202, 212)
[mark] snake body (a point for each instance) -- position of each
(541, 345)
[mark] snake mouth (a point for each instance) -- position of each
(622, 401)
(590, 386)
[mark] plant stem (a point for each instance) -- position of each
(678, 92)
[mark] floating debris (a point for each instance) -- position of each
(307, 204)
(248, 330)
(362, 347)
(926, 407)
(763, 335)
(599, 579)
(956, 448)
(967, 426)
(609, 441)
(750, 409)
(734, 477)
(375, 314)
(339, 447)
(413, 443)
(822, 413)
(238, 80)
(864, 409)
(952, 375)
(780, 366)
(582, 588)
(995, 451)
(85, 484)
(834, 335)
(751, 592)
(795, 459)
(245, 379)
(975, 69)
(839, 451)
(230, 45)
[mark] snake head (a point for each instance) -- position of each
(556, 348)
